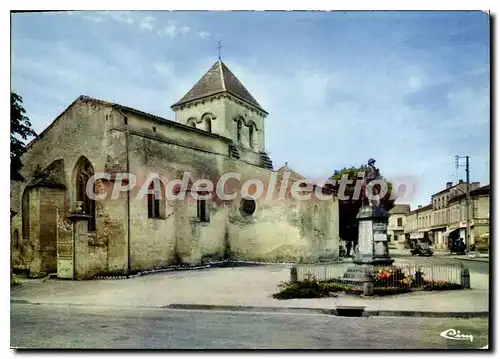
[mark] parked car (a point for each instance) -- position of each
(421, 249)
(457, 246)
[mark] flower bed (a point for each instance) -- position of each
(386, 281)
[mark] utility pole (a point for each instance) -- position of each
(467, 203)
(467, 198)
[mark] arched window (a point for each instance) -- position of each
(191, 122)
(84, 171)
(26, 214)
(238, 130)
(207, 121)
(250, 134)
(208, 124)
(156, 199)
(15, 239)
(203, 208)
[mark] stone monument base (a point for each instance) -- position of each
(373, 250)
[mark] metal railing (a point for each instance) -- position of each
(402, 274)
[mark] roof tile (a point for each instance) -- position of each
(219, 79)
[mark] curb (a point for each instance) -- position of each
(347, 311)
(232, 264)
(250, 309)
(298, 310)
(485, 260)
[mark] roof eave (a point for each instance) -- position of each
(181, 103)
(169, 122)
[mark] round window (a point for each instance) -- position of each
(247, 207)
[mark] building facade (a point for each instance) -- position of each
(445, 218)
(479, 207)
(219, 129)
(418, 223)
(397, 223)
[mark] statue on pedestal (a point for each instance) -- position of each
(372, 221)
(372, 250)
(372, 173)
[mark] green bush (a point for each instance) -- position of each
(308, 288)
(311, 288)
(14, 280)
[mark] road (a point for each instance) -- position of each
(92, 327)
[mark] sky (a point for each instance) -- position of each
(410, 89)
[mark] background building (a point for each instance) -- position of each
(445, 218)
(397, 222)
(479, 216)
(418, 225)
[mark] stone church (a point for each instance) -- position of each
(219, 128)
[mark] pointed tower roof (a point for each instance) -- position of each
(219, 79)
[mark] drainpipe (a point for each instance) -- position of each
(128, 192)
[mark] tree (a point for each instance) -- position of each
(349, 208)
(20, 130)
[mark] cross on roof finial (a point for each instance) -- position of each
(219, 46)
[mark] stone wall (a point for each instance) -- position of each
(278, 229)
(51, 201)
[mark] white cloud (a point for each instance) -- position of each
(124, 17)
(93, 18)
(144, 23)
(147, 23)
(170, 30)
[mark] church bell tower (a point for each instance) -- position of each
(220, 104)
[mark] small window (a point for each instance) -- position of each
(203, 210)
(247, 207)
(15, 239)
(400, 222)
(155, 200)
(191, 122)
(250, 135)
(26, 214)
(208, 124)
(238, 130)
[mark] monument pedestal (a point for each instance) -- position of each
(373, 247)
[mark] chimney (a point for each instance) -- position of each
(475, 185)
(449, 184)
